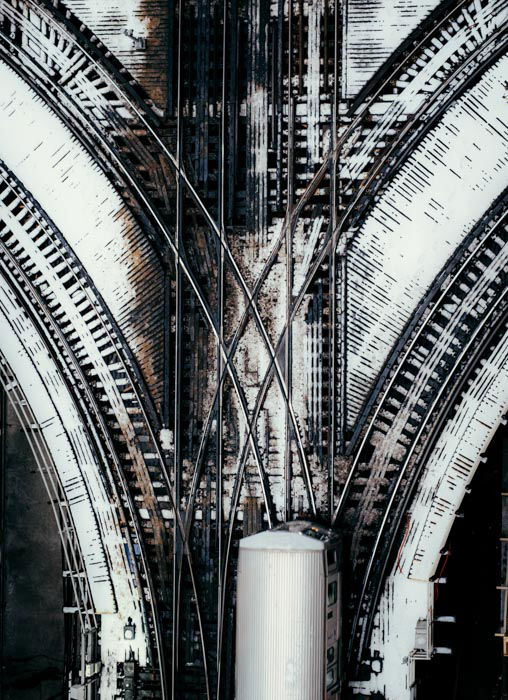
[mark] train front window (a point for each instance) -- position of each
(331, 558)
(330, 655)
(332, 593)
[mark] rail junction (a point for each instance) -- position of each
(253, 269)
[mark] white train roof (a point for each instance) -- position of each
(297, 535)
(281, 540)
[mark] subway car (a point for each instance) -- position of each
(288, 614)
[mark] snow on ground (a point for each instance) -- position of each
(66, 439)
(84, 206)
(113, 588)
(407, 597)
(135, 32)
(68, 184)
(444, 187)
(373, 31)
(420, 82)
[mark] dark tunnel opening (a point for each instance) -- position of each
(471, 564)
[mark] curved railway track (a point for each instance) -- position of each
(352, 134)
(265, 384)
(328, 244)
(86, 87)
(466, 73)
(116, 127)
(244, 407)
(71, 551)
(267, 498)
(458, 320)
(379, 156)
(389, 536)
(119, 136)
(102, 376)
(326, 249)
(77, 593)
(149, 162)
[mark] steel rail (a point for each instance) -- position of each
(268, 374)
(147, 422)
(374, 555)
(243, 405)
(449, 325)
(288, 349)
(385, 83)
(403, 356)
(180, 171)
(261, 396)
(84, 386)
(491, 218)
(239, 475)
(220, 294)
(195, 287)
(108, 326)
(328, 243)
(332, 282)
(76, 368)
(333, 155)
(332, 239)
(54, 490)
(177, 559)
(444, 415)
(72, 555)
(183, 265)
(322, 171)
(221, 385)
(472, 256)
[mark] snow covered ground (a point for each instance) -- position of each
(113, 588)
(77, 196)
(373, 31)
(445, 186)
(407, 597)
(135, 32)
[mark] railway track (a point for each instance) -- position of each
(82, 87)
(389, 535)
(178, 254)
(267, 378)
(242, 400)
(265, 384)
(352, 131)
(379, 148)
(453, 79)
(460, 317)
(296, 212)
(62, 300)
(73, 560)
(77, 592)
(148, 163)
(361, 120)
(75, 73)
(120, 133)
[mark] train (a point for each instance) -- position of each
(288, 614)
